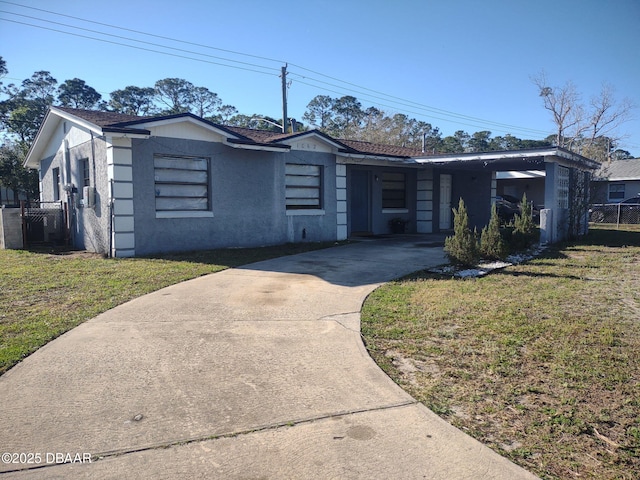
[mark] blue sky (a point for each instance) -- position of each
(458, 64)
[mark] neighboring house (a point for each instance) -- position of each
(144, 185)
(616, 181)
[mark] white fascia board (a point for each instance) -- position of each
(376, 160)
(484, 156)
(125, 135)
(49, 124)
(504, 175)
(617, 179)
(77, 120)
(250, 146)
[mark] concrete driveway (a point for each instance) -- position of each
(255, 372)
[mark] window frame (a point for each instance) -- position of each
(55, 172)
(300, 177)
(172, 183)
(619, 192)
(390, 197)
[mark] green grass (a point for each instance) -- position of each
(539, 361)
(43, 295)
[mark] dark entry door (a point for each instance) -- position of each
(360, 202)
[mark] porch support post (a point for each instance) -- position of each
(424, 204)
(120, 175)
(341, 202)
(548, 225)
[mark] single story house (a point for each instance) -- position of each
(616, 181)
(144, 185)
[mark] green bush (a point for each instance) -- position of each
(524, 232)
(492, 246)
(462, 248)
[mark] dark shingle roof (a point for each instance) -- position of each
(102, 119)
(619, 170)
(112, 120)
(379, 149)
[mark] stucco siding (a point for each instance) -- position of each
(90, 226)
(247, 199)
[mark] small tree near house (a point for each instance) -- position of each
(492, 246)
(462, 247)
(524, 232)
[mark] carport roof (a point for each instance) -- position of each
(527, 159)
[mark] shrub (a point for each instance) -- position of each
(462, 248)
(492, 246)
(524, 231)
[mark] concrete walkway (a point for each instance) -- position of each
(256, 372)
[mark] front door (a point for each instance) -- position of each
(445, 202)
(360, 202)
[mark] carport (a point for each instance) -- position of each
(473, 177)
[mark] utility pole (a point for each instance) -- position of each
(284, 98)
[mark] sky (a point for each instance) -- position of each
(457, 64)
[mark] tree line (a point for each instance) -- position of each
(24, 106)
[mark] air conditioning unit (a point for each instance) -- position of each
(89, 196)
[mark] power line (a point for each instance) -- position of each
(419, 106)
(387, 97)
(144, 33)
(139, 41)
(138, 48)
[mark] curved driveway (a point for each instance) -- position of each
(255, 372)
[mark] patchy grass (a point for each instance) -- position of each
(43, 295)
(539, 361)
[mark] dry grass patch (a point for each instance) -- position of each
(539, 361)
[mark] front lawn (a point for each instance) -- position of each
(539, 361)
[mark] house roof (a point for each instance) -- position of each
(111, 122)
(525, 159)
(619, 170)
(102, 119)
(238, 137)
(380, 149)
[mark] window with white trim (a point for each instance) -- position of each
(616, 192)
(56, 183)
(181, 183)
(394, 190)
(303, 184)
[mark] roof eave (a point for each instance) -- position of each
(250, 145)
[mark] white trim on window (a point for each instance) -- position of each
(184, 214)
(303, 187)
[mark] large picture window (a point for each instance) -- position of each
(303, 186)
(181, 183)
(394, 190)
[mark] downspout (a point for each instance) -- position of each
(93, 158)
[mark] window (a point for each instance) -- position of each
(616, 191)
(303, 185)
(181, 183)
(56, 184)
(394, 191)
(84, 171)
(563, 187)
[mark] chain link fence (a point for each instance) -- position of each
(615, 213)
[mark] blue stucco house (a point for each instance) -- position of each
(143, 185)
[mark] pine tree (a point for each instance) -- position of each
(462, 248)
(524, 231)
(492, 245)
